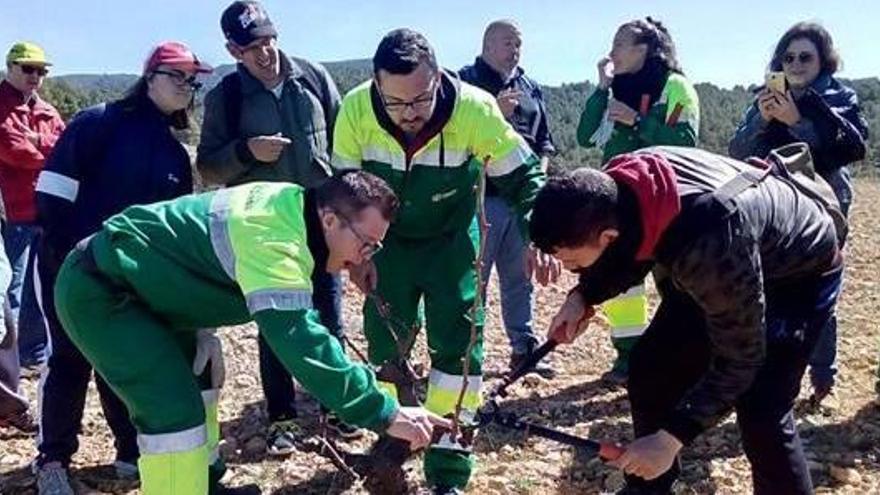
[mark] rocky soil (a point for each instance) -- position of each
(842, 436)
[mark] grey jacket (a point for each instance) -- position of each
(224, 158)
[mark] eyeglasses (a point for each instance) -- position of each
(33, 69)
(368, 247)
(802, 57)
(418, 104)
(180, 79)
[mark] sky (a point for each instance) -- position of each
(725, 43)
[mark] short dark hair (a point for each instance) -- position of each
(573, 208)
(401, 51)
(819, 36)
(351, 191)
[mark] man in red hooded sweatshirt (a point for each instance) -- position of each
(748, 270)
(29, 128)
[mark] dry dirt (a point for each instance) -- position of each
(842, 436)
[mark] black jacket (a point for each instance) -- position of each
(729, 258)
(530, 116)
(831, 124)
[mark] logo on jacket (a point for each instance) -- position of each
(173, 178)
(444, 195)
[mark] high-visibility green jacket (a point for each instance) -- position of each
(434, 174)
(674, 119)
(233, 255)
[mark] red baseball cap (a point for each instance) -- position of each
(177, 54)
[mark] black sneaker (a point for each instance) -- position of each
(343, 429)
(249, 489)
(281, 439)
(22, 422)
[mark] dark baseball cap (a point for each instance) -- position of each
(245, 21)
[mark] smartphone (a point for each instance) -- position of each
(775, 80)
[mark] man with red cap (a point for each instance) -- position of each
(111, 156)
(748, 268)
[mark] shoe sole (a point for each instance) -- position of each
(347, 435)
(280, 452)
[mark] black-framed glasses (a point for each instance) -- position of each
(802, 57)
(421, 103)
(33, 69)
(180, 79)
(368, 247)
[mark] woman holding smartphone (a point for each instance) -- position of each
(817, 109)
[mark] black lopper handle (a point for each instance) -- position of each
(606, 451)
(538, 354)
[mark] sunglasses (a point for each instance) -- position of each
(803, 57)
(180, 79)
(33, 69)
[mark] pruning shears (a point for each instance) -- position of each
(490, 412)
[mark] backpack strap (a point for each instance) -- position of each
(309, 77)
(230, 87)
(314, 81)
(742, 181)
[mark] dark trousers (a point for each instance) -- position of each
(65, 383)
(277, 382)
(675, 352)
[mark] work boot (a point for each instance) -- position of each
(52, 479)
(281, 439)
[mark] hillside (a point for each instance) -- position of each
(721, 108)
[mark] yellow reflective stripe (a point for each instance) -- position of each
(627, 310)
(510, 162)
(179, 441)
(174, 473)
(443, 390)
(267, 234)
(440, 379)
(429, 156)
(340, 162)
(627, 332)
(212, 422)
(442, 401)
(679, 91)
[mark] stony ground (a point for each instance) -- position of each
(842, 436)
